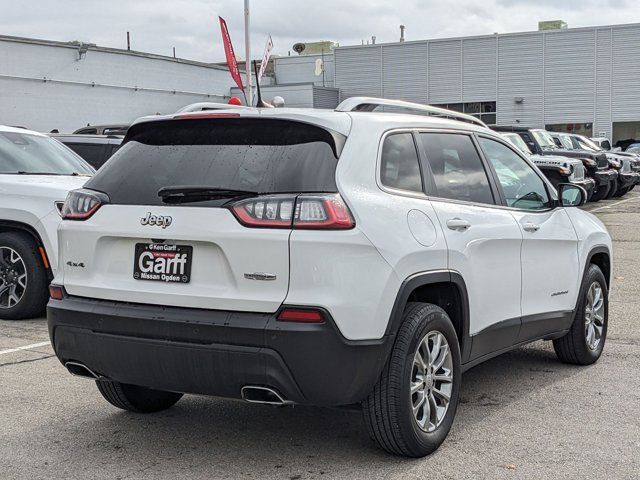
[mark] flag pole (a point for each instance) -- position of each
(247, 50)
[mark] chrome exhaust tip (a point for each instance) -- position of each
(80, 370)
(264, 395)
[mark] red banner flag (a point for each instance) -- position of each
(232, 63)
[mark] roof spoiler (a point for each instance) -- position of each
(204, 106)
(370, 104)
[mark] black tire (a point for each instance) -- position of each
(601, 193)
(573, 347)
(33, 299)
(136, 399)
(388, 410)
(622, 192)
(614, 187)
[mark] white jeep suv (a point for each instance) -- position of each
(35, 173)
(331, 258)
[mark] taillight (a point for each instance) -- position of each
(325, 211)
(300, 315)
(56, 292)
(82, 204)
(273, 211)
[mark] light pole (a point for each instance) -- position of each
(247, 51)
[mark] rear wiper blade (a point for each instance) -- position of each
(71, 174)
(195, 193)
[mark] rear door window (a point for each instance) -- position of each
(257, 155)
(399, 164)
(457, 169)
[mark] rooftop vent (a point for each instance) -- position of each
(552, 25)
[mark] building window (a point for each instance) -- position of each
(485, 111)
(585, 129)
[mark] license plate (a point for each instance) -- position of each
(159, 262)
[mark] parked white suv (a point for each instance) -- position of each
(35, 173)
(343, 257)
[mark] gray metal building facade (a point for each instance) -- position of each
(303, 69)
(299, 95)
(581, 77)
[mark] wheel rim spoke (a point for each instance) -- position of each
(435, 348)
(436, 412)
(418, 406)
(419, 362)
(416, 387)
(442, 357)
(444, 396)
(443, 378)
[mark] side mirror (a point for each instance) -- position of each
(571, 195)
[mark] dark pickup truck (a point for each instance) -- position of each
(596, 164)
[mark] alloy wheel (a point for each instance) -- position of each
(594, 313)
(431, 381)
(13, 278)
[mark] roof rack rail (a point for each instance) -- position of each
(369, 104)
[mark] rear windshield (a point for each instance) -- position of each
(257, 155)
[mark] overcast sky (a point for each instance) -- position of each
(192, 25)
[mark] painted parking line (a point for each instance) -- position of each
(26, 347)
(613, 204)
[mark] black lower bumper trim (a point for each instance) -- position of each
(603, 177)
(628, 179)
(588, 184)
(214, 352)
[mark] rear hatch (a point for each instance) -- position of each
(166, 229)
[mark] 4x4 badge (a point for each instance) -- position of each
(156, 220)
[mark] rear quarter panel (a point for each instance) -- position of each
(392, 253)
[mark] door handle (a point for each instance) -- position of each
(458, 224)
(531, 227)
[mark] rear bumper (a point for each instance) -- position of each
(214, 352)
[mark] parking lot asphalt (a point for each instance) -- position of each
(522, 415)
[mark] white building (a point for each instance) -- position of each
(47, 85)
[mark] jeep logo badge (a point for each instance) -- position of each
(156, 220)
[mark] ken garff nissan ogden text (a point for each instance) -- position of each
(399, 249)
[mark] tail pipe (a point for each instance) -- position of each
(80, 370)
(264, 395)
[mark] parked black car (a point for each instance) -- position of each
(597, 165)
(94, 149)
(626, 164)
